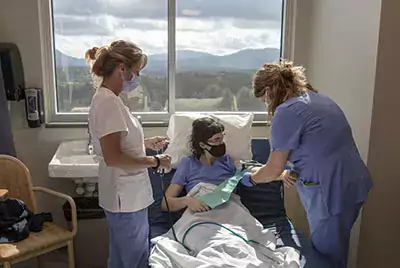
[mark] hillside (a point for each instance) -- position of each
(189, 61)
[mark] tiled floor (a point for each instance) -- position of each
(55, 259)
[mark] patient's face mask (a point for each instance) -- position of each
(215, 145)
(217, 150)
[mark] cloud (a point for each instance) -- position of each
(199, 25)
(102, 25)
(71, 25)
(108, 26)
(143, 24)
(223, 40)
(239, 9)
(157, 9)
(255, 24)
(214, 26)
(227, 41)
(117, 8)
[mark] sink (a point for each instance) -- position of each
(71, 160)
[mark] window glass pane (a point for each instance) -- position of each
(220, 45)
(82, 24)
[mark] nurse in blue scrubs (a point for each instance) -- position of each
(311, 131)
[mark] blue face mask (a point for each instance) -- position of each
(131, 85)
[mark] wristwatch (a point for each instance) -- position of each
(158, 162)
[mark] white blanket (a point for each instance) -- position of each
(211, 245)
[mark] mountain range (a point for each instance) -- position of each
(188, 60)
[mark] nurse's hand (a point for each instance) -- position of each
(165, 161)
(246, 180)
(196, 205)
(156, 143)
(289, 178)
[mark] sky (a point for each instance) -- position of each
(215, 26)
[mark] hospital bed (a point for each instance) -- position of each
(265, 202)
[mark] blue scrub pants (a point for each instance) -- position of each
(330, 234)
(128, 239)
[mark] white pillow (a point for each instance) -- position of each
(237, 135)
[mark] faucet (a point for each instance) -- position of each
(90, 149)
(139, 118)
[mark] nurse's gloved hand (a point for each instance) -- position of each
(246, 180)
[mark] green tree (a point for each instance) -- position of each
(247, 102)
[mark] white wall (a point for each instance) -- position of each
(342, 58)
(379, 239)
(342, 64)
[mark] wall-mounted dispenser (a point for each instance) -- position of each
(34, 107)
(14, 84)
(12, 71)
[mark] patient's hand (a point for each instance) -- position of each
(196, 205)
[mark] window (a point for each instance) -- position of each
(214, 47)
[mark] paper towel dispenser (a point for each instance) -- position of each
(12, 71)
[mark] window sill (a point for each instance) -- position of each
(145, 125)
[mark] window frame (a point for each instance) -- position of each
(154, 118)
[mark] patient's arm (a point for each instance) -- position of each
(176, 203)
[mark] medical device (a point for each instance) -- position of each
(248, 164)
(161, 173)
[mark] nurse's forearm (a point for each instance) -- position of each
(174, 203)
(266, 173)
(281, 177)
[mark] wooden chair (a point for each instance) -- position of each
(15, 177)
(3, 193)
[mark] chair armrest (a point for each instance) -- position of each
(3, 193)
(69, 199)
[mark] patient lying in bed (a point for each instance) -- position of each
(208, 163)
(227, 236)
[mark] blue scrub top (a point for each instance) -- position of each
(191, 171)
(322, 149)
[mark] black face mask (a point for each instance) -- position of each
(217, 150)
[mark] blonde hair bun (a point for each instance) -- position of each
(91, 53)
(105, 59)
